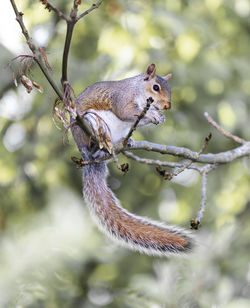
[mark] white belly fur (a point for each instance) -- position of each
(118, 129)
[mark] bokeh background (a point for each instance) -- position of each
(51, 252)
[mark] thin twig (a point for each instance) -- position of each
(169, 175)
(210, 158)
(71, 21)
(222, 130)
(157, 162)
(189, 163)
(93, 7)
(203, 196)
(68, 102)
(37, 54)
(205, 170)
(51, 7)
(45, 59)
(70, 28)
(195, 222)
(116, 161)
(139, 118)
(19, 18)
(20, 56)
(81, 163)
(39, 60)
(124, 167)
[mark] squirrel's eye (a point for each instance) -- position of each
(156, 87)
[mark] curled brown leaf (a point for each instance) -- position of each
(27, 83)
(37, 86)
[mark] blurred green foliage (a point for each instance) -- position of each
(51, 253)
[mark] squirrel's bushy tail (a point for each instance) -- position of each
(140, 234)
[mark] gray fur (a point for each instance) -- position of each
(95, 185)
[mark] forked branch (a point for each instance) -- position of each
(51, 7)
(38, 55)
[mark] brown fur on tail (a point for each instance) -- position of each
(137, 233)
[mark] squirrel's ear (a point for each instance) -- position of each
(150, 73)
(167, 77)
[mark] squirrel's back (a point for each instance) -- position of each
(105, 94)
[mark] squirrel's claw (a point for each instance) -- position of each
(154, 117)
(158, 118)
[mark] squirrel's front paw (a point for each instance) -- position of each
(156, 117)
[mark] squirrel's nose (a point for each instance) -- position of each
(167, 105)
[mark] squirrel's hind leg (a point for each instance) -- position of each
(100, 129)
(93, 153)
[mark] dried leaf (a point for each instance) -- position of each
(166, 175)
(14, 79)
(37, 86)
(125, 167)
(100, 133)
(28, 62)
(208, 138)
(62, 117)
(67, 100)
(78, 161)
(100, 129)
(194, 224)
(27, 83)
(108, 143)
(104, 137)
(45, 59)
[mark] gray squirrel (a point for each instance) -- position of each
(111, 107)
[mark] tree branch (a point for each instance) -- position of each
(188, 163)
(70, 28)
(19, 18)
(93, 7)
(39, 60)
(82, 133)
(195, 223)
(203, 196)
(158, 162)
(139, 118)
(51, 7)
(71, 21)
(222, 130)
(38, 56)
(218, 158)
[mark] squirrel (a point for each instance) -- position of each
(111, 108)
